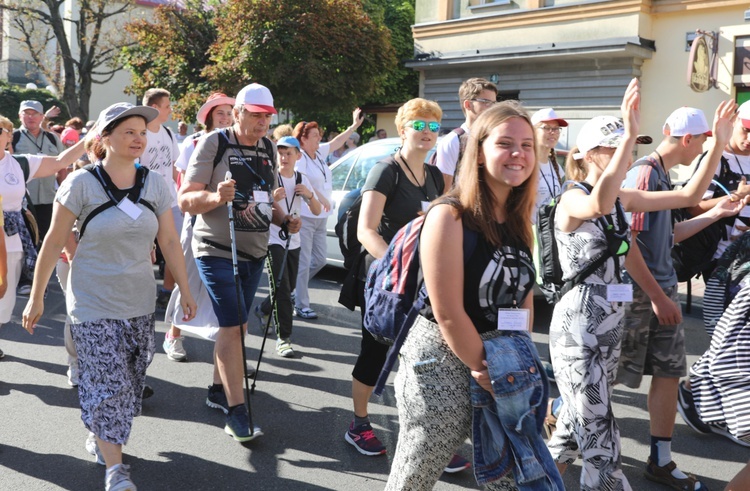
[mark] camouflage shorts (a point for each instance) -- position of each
(649, 348)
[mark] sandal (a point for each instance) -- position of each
(550, 421)
(663, 475)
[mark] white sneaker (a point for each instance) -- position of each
(118, 479)
(174, 349)
(93, 448)
(73, 374)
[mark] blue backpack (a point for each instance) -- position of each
(395, 291)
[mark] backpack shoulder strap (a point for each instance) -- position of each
(268, 146)
(297, 178)
(51, 138)
(169, 132)
(16, 138)
(24, 163)
(222, 146)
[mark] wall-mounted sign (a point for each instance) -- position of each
(703, 61)
(699, 66)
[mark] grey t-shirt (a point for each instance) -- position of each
(655, 233)
(254, 171)
(42, 191)
(111, 276)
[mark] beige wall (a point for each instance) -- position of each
(664, 77)
(387, 122)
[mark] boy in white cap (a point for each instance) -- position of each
(653, 341)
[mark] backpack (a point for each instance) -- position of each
(553, 287)
(134, 193)
(346, 227)
(695, 254)
(225, 144)
(726, 281)
(462, 139)
(395, 291)
(17, 138)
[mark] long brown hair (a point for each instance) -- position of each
(471, 194)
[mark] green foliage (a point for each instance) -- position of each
(171, 54)
(316, 56)
(11, 97)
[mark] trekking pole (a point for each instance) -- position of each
(256, 431)
(277, 284)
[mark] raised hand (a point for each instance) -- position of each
(724, 118)
(631, 108)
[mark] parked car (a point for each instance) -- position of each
(349, 173)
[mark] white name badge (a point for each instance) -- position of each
(513, 319)
(425, 205)
(130, 208)
(260, 196)
(620, 293)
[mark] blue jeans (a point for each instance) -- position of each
(218, 276)
(507, 428)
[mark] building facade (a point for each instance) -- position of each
(578, 56)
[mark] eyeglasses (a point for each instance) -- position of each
(420, 125)
(484, 102)
(550, 129)
(5, 129)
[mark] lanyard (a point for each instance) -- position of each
(244, 161)
(294, 196)
(420, 186)
(551, 187)
(34, 141)
(742, 171)
(321, 166)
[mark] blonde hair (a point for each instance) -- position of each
(575, 169)
(6, 123)
(474, 199)
(281, 131)
(416, 108)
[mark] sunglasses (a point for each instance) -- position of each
(420, 125)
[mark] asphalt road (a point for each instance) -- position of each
(303, 406)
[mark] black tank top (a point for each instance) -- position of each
(493, 278)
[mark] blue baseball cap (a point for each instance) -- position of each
(288, 141)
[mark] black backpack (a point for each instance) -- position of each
(553, 287)
(695, 254)
(346, 227)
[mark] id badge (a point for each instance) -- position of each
(130, 208)
(260, 196)
(620, 293)
(425, 205)
(513, 319)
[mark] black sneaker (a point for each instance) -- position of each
(162, 299)
(238, 425)
(686, 408)
(217, 399)
(148, 391)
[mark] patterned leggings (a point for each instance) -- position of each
(113, 356)
(585, 347)
(434, 411)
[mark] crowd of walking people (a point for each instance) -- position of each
(223, 204)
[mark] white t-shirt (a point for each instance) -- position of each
(186, 150)
(319, 175)
(549, 187)
(446, 153)
(13, 189)
(741, 165)
(160, 155)
(289, 205)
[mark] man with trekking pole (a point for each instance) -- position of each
(230, 253)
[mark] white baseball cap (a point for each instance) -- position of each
(547, 114)
(744, 114)
(256, 98)
(603, 131)
(122, 110)
(687, 121)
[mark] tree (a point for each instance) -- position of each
(88, 57)
(171, 53)
(401, 83)
(11, 97)
(318, 57)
